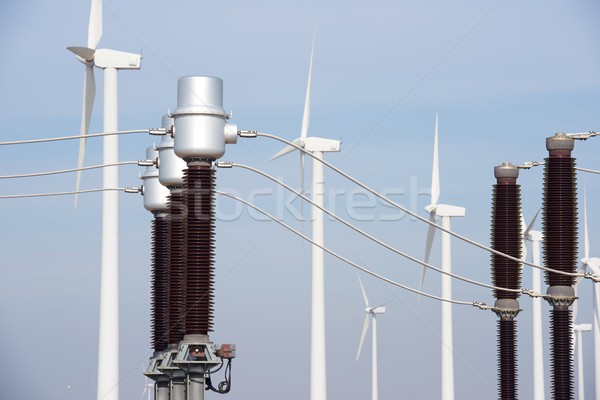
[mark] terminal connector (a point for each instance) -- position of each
(147, 163)
(158, 131)
(529, 164)
(582, 135)
(224, 164)
(226, 351)
(247, 133)
(132, 189)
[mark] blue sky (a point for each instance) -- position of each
(502, 75)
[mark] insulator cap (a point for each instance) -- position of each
(200, 120)
(506, 172)
(155, 194)
(560, 144)
(170, 167)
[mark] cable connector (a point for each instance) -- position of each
(147, 163)
(132, 189)
(529, 164)
(592, 276)
(159, 131)
(481, 306)
(531, 293)
(224, 164)
(582, 135)
(247, 133)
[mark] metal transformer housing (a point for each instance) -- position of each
(170, 167)
(155, 194)
(199, 119)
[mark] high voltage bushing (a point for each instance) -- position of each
(155, 201)
(506, 238)
(199, 226)
(175, 267)
(560, 253)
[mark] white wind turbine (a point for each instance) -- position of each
(593, 263)
(536, 237)
(445, 212)
(371, 314)
(110, 61)
(578, 330)
(317, 146)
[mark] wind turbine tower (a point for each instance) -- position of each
(371, 314)
(536, 238)
(593, 263)
(446, 213)
(110, 61)
(317, 146)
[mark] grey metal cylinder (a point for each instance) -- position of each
(196, 386)
(162, 389)
(170, 167)
(155, 194)
(178, 388)
(199, 119)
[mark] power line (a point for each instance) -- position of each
(152, 131)
(21, 196)
(35, 174)
(341, 258)
(367, 235)
(252, 134)
(587, 170)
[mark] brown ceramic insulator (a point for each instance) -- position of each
(198, 188)
(507, 360)
(159, 282)
(560, 219)
(175, 268)
(506, 238)
(561, 352)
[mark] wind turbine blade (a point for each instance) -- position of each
(362, 288)
(95, 24)
(586, 239)
(428, 246)
(523, 237)
(89, 93)
(530, 226)
(283, 152)
(302, 185)
(362, 336)
(84, 53)
(306, 114)
(435, 172)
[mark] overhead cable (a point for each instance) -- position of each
(128, 189)
(36, 174)
(365, 234)
(251, 134)
(341, 258)
(152, 131)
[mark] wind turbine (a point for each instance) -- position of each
(317, 146)
(593, 263)
(445, 212)
(110, 61)
(578, 329)
(371, 314)
(536, 237)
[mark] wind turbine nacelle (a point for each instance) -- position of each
(201, 129)
(155, 194)
(321, 144)
(443, 210)
(105, 58)
(170, 167)
(582, 327)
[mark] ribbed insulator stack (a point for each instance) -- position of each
(159, 282)
(506, 238)
(507, 359)
(506, 231)
(560, 342)
(198, 189)
(560, 219)
(560, 253)
(175, 267)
